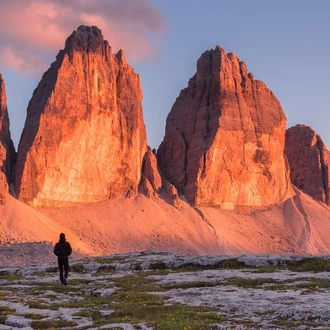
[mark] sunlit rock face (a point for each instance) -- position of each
(309, 161)
(7, 150)
(84, 137)
(224, 138)
(151, 181)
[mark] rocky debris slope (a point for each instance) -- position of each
(161, 290)
(84, 138)
(224, 138)
(298, 226)
(7, 150)
(309, 161)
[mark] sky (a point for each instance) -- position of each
(286, 44)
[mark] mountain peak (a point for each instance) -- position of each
(86, 39)
(84, 138)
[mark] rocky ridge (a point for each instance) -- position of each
(84, 138)
(309, 161)
(224, 138)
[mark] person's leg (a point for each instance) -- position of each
(66, 269)
(60, 267)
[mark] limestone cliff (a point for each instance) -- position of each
(151, 181)
(224, 138)
(7, 150)
(84, 137)
(309, 161)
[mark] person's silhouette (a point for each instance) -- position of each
(62, 250)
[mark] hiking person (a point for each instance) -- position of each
(62, 250)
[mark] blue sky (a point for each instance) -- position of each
(285, 44)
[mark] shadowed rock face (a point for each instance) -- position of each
(84, 137)
(7, 150)
(309, 161)
(224, 138)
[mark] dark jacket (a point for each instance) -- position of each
(62, 248)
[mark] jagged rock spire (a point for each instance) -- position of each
(224, 138)
(84, 137)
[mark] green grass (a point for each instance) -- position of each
(52, 269)
(268, 269)
(11, 277)
(193, 284)
(43, 305)
(137, 307)
(313, 264)
(134, 304)
(78, 268)
(53, 324)
(4, 312)
(249, 282)
(33, 316)
(292, 324)
(135, 299)
(233, 263)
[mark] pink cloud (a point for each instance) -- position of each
(33, 31)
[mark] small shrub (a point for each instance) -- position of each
(313, 264)
(51, 269)
(78, 268)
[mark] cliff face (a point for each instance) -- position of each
(7, 150)
(84, 137)
(224, 138)
(309, 161)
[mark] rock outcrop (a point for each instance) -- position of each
(224, 138)
(309, 161)
(151, 181)
(7, 150)
(84, 137)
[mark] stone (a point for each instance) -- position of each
(309, 161)
(84, 138)
(7, 150)
(150, 171)
(224, 138)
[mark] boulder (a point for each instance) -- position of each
(224, 138)
(84, 138)
(309, 161)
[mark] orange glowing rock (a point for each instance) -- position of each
(309, 161)
(84, 137)
(224, 138)
(7, 151)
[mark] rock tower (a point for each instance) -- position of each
(224, 138)
(309, 161)
(84, 137)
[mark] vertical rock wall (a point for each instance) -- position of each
(84, 137)
(309, 161)
(7, 150)
(224, 138)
